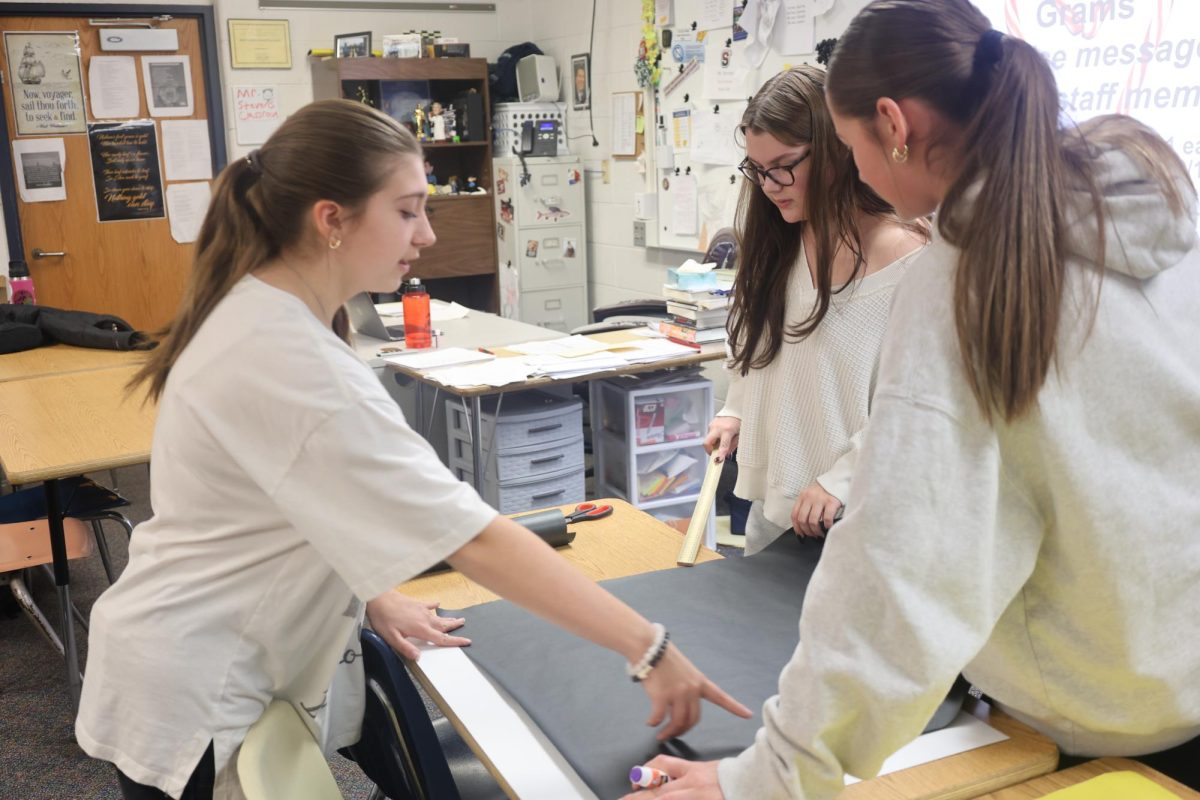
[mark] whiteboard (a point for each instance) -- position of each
(717, 184)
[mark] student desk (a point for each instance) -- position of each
(62, 358)
(631, 542)
(489, 331)
(60, 426)
(1039, 787)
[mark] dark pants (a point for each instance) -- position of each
(1181, 763)
(199, 786)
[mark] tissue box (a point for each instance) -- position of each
(691, 281)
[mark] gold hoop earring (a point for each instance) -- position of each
(334, 243)
(900, 156)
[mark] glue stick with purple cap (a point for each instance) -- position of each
(647, 777)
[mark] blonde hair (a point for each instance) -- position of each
(329, 150)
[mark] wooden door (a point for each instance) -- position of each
(131, 268)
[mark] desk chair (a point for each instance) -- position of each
(626, 314)
(25, 539)
(280, 759)
(407, 755)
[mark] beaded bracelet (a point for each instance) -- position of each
(658, 648)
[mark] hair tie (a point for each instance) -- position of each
(989, 49)
(255, 162)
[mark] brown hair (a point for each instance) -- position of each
(328, 150)
(791, 107)
(1009, 286)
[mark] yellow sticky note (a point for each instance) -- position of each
(640, 125)
(1122, 785)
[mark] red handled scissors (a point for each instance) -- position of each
(585, 511)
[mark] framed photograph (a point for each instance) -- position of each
(352, 45)
(260, 44)
(168, 81)
(581, 81)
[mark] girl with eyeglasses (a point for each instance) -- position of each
(819, 255)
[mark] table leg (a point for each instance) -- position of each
(62, 582)
(477, 465)
(419, 414)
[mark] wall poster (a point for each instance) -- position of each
(125, 170)
(47, 87)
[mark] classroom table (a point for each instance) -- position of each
(1039, 787)
(63, 358)
(631, 542)
(491, 332)
(64, 425)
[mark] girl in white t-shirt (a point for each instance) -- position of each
(287, 487)
(819, 255)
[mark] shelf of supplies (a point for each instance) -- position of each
(670, 500)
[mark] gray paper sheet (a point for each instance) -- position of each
(736, 619)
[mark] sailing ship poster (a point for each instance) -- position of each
(47, 86)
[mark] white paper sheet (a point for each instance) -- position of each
(113, 87)
(168, 82)
(187, 204)
(186, 153)
(646, 350)
(715, 14)
(725, 71)
(564, 346)
(713, 140)
(794, 28)
(683, 205)
(624, 124)
(500, 372)
(662, 13)
(681, 130)
(41, 166)
(255, 113)
(758, 19)
(563, 367)
(966, 732)
(437, 357)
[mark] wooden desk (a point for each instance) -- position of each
(1039, 787)
(60, 426)
(62, 358)
(631, 542)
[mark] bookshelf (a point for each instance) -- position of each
(463, 265)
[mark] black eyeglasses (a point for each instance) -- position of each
(781, 175)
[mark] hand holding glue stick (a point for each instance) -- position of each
(667, 776)
(647, 777)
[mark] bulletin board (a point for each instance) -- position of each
(708, 74)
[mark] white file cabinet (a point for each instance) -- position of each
(648, 444)
(541, 236)
(532, 449)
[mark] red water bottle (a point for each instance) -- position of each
(22, 284)
(417, 331)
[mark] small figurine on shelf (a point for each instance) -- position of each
(437, 122)
(473, 186)
(454, 184)
(451, 123)
(419, 121)
(429, 176)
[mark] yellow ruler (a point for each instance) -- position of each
(704, 505)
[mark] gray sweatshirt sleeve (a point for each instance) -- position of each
(935, 545)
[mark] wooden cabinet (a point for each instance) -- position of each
(462, 265)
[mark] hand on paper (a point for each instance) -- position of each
(695, 780)
(676, 687)
(814, 507)
(722, 438)
(395, 617)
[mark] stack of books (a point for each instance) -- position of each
(698, 316)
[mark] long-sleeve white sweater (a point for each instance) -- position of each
(1054, 560)
(802, 413)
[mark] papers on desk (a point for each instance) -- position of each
(498, 372)
(967, 732)
(645, 351)
(438, 311)
(565, 347)
(437, 357)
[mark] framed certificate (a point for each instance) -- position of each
(260, 44)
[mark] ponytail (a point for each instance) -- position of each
(335, 150)
(1006, 210)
